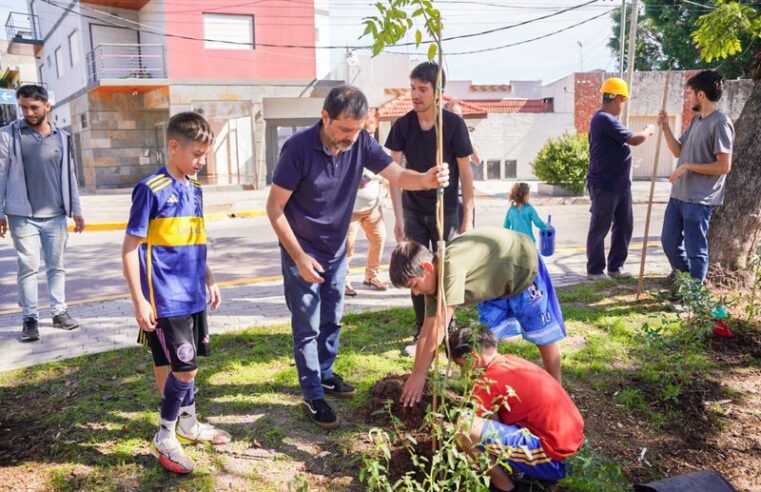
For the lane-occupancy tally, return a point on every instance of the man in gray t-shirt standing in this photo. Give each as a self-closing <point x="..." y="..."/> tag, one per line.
<point x="38" y="189"/>
<point x="705" y="157"/>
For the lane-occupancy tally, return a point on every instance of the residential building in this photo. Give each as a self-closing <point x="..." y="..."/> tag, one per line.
<point x="121" y="68"/>
<point x="15" y="70"/>
<point x="508" y="133"/>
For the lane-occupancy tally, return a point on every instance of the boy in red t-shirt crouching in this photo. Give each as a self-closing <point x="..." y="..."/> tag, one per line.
<point x="523" y="417"/>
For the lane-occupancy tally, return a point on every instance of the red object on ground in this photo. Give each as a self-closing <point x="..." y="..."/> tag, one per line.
<point x="720" y="329"/>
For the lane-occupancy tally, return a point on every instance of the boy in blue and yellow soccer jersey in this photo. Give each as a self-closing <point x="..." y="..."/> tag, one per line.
<point x="164" y="257"/>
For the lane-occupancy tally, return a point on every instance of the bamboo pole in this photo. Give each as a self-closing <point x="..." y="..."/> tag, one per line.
<point x="641" y="279"/>
<point x="441" y="308"/>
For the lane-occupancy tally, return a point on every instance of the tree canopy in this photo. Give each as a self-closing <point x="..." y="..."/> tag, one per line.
<point x="665" y="35"/>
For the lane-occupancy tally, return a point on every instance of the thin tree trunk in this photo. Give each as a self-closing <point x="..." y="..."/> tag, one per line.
<point x="734" y="231"/>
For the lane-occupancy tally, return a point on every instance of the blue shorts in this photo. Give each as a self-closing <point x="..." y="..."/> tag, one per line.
<point x="534" y="313"/>
<point x="522" y="451"/>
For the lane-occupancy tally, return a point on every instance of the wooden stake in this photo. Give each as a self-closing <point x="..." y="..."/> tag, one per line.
<point x="441" y="308"/>
<point x="641" y="279"/>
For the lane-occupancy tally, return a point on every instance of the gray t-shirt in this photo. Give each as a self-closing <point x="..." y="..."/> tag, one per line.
<point x="703" y="139"/>
<point x="42" y="158"/>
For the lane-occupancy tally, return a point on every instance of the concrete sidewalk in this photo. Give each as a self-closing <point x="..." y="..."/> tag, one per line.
<point x="111" y="211"/>
<point x="110" y="324"/>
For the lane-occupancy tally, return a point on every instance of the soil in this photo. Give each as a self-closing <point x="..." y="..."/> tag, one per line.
<point x="412" y="421"/>
<point x="701" y="439"/>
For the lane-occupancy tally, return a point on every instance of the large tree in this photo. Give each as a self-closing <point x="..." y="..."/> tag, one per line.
<point x="736" y="227"/>
<point x="663" y="38"/>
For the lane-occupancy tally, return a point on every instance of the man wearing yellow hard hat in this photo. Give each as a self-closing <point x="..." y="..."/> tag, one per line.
<point x="609" y="184"/>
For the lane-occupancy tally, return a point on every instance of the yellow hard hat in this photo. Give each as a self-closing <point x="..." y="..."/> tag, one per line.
<point x="615" y="86"/>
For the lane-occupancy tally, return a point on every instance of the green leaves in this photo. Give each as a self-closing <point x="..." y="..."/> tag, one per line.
<point x="431" y="51"/>
<point x="664" y="38"/>
<point x="563" y="161"/>
<point x="718" y="33"/>
<point x="394" y="21"/>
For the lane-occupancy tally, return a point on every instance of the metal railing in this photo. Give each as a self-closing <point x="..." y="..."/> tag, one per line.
<point x="22" y="27"/>
<point x="126" y="61"/>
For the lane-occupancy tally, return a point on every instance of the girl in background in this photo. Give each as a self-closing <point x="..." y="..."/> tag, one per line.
<point x="521" y="214"/>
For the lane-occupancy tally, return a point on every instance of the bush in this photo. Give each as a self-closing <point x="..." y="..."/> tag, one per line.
<point x="563" y="161"/>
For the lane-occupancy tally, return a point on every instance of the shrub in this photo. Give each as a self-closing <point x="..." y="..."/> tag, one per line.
<point x="563" y="161"/>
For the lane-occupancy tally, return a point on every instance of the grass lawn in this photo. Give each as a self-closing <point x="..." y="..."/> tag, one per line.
<point x="657" y="401"/>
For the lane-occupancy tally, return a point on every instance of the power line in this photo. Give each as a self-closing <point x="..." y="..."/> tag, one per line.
<point x="518" y="43"/>
<point x="154" y="30"/>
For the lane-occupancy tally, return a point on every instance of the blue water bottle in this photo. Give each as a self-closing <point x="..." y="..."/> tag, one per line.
<point x="547" y="239"/>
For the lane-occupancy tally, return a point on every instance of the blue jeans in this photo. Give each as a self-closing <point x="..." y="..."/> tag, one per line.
<point x="685" y="237"/>
<point x="316" y="311"/>
<point x="29" y="236"/>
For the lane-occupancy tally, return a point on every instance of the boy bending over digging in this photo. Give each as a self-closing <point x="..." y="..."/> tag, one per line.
<point x="487" y="265"/>
<point x="524" y="420"/>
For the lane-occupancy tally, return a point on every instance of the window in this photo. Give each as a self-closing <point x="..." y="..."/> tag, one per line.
<point x="228" y="32"/>
<point x="477" y="172"/>
<point x="59" y="62"/>
<point x="511" y="169"/>
<point x="493" y="169"/>
<point x="74" y="48"/>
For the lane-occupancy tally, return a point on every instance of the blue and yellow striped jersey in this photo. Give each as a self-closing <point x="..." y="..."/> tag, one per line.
<point x="168" y="215"/>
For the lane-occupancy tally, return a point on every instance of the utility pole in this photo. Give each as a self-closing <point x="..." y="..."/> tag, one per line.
<point x="630" y="57"/>
<point x="622" y="40"/>
<point x="581" y="54"/>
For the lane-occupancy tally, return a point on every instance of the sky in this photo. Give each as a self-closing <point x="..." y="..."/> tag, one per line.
<point x="580" y="48"/>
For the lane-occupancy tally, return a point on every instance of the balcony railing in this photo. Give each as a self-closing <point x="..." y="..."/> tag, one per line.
<point x="126" y="61"/>
<point x="23" y="33"/>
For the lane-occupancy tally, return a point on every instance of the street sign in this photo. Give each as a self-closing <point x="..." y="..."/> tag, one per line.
<point x="8" y="96"/>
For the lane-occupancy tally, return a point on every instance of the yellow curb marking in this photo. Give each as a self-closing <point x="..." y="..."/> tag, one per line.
<point x="120" y="226"/>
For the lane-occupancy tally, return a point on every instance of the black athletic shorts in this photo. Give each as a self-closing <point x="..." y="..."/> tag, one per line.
<point x="178" y="340"/>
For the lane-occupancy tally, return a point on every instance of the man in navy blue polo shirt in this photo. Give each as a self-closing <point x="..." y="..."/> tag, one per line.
<point x="314" y="187"/>
<point x="609" y="183"/>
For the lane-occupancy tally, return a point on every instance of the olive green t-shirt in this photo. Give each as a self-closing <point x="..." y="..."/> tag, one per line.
<point x="484" y="264"/>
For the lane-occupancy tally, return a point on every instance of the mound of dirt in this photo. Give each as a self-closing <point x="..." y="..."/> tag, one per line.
<point x="412" y="418"/>
<point x="390" y="389"/>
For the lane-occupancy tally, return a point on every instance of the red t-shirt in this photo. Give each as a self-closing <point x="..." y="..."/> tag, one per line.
<point x="529" y="397"/>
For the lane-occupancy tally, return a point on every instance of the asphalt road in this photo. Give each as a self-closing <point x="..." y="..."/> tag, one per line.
<point x="241" y="249"/>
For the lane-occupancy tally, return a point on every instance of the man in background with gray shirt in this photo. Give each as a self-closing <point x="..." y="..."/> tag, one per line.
<point x="38" y="189"/>
<point x="705" y="157"/>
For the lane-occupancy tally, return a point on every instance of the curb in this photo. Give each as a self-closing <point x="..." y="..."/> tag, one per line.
<point x="120" y="226"/>
<point x="537" y="201"/>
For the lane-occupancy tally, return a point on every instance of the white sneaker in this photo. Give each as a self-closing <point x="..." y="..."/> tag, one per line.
<point x="410" y="350"/>
<point x="596" y="276"/>
<point x="619" y="274"/>
<point x="203" y="433"/>
<point x="170" y="454"/>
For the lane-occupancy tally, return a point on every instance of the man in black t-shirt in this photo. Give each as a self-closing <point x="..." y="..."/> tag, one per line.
<point x="414" y="136"/>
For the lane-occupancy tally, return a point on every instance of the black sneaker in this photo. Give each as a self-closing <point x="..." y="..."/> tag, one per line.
<point x="29" y="330"/>
<point x="669" y="281"/>
<point x="64" y="322"/>
<point x="418" y="328"/>
<point x="320" y="413"/>
<point x="337" y="387"/>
